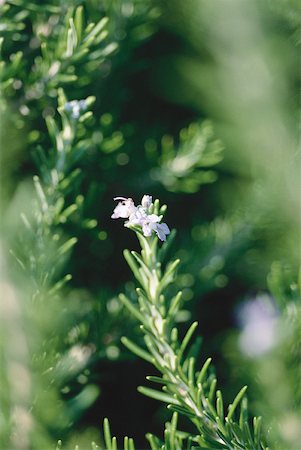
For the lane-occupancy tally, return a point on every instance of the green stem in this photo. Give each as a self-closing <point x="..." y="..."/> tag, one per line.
<point x="193" y="392"/>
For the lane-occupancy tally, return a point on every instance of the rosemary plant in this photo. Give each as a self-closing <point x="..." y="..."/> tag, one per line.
<point x="57" y="173"/>
<point x="41" y="247"/>
<point x="185" y="389"/>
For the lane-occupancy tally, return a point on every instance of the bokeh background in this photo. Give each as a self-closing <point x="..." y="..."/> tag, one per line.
<point x="197" y="104"/>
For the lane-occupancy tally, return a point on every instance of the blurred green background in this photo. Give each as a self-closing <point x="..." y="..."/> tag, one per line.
<point x="196" y="103"/>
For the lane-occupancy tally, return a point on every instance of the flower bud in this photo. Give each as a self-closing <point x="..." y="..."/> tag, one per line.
<point x="146" y="201"/>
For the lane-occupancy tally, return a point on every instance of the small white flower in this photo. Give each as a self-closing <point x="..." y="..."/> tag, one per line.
<point x="124" y="209"/>
<point x="146" y="201"/>
<point x="138" y="216"/>
<point x="150" y="224"/>
<point x="75" y="107"/>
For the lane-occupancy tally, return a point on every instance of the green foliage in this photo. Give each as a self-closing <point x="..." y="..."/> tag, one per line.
<point x="99" y="98"/>
<point x="183" y="167"/>
<point x="57" y="174"/>
<point x="173" y="439"/>
<point x="186" y="390"/>
<point x="70" y="49"/>
<point x="280" y="394"/>
<point x="41" y="250"/>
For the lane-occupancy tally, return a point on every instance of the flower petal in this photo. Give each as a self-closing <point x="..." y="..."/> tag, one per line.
<point x="153" y="218"/>
<point x="161" y="230"/>
<point x="147" y="229"/>
<point x="146" y="201"/>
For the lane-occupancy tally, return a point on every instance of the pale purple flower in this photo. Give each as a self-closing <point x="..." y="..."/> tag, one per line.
<point x="259" y="320"/>
<point x="138" y="216"/>
<point x="124" y="209"/>
<point x="149" y="223"/>
<point x="75" y="108"/>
